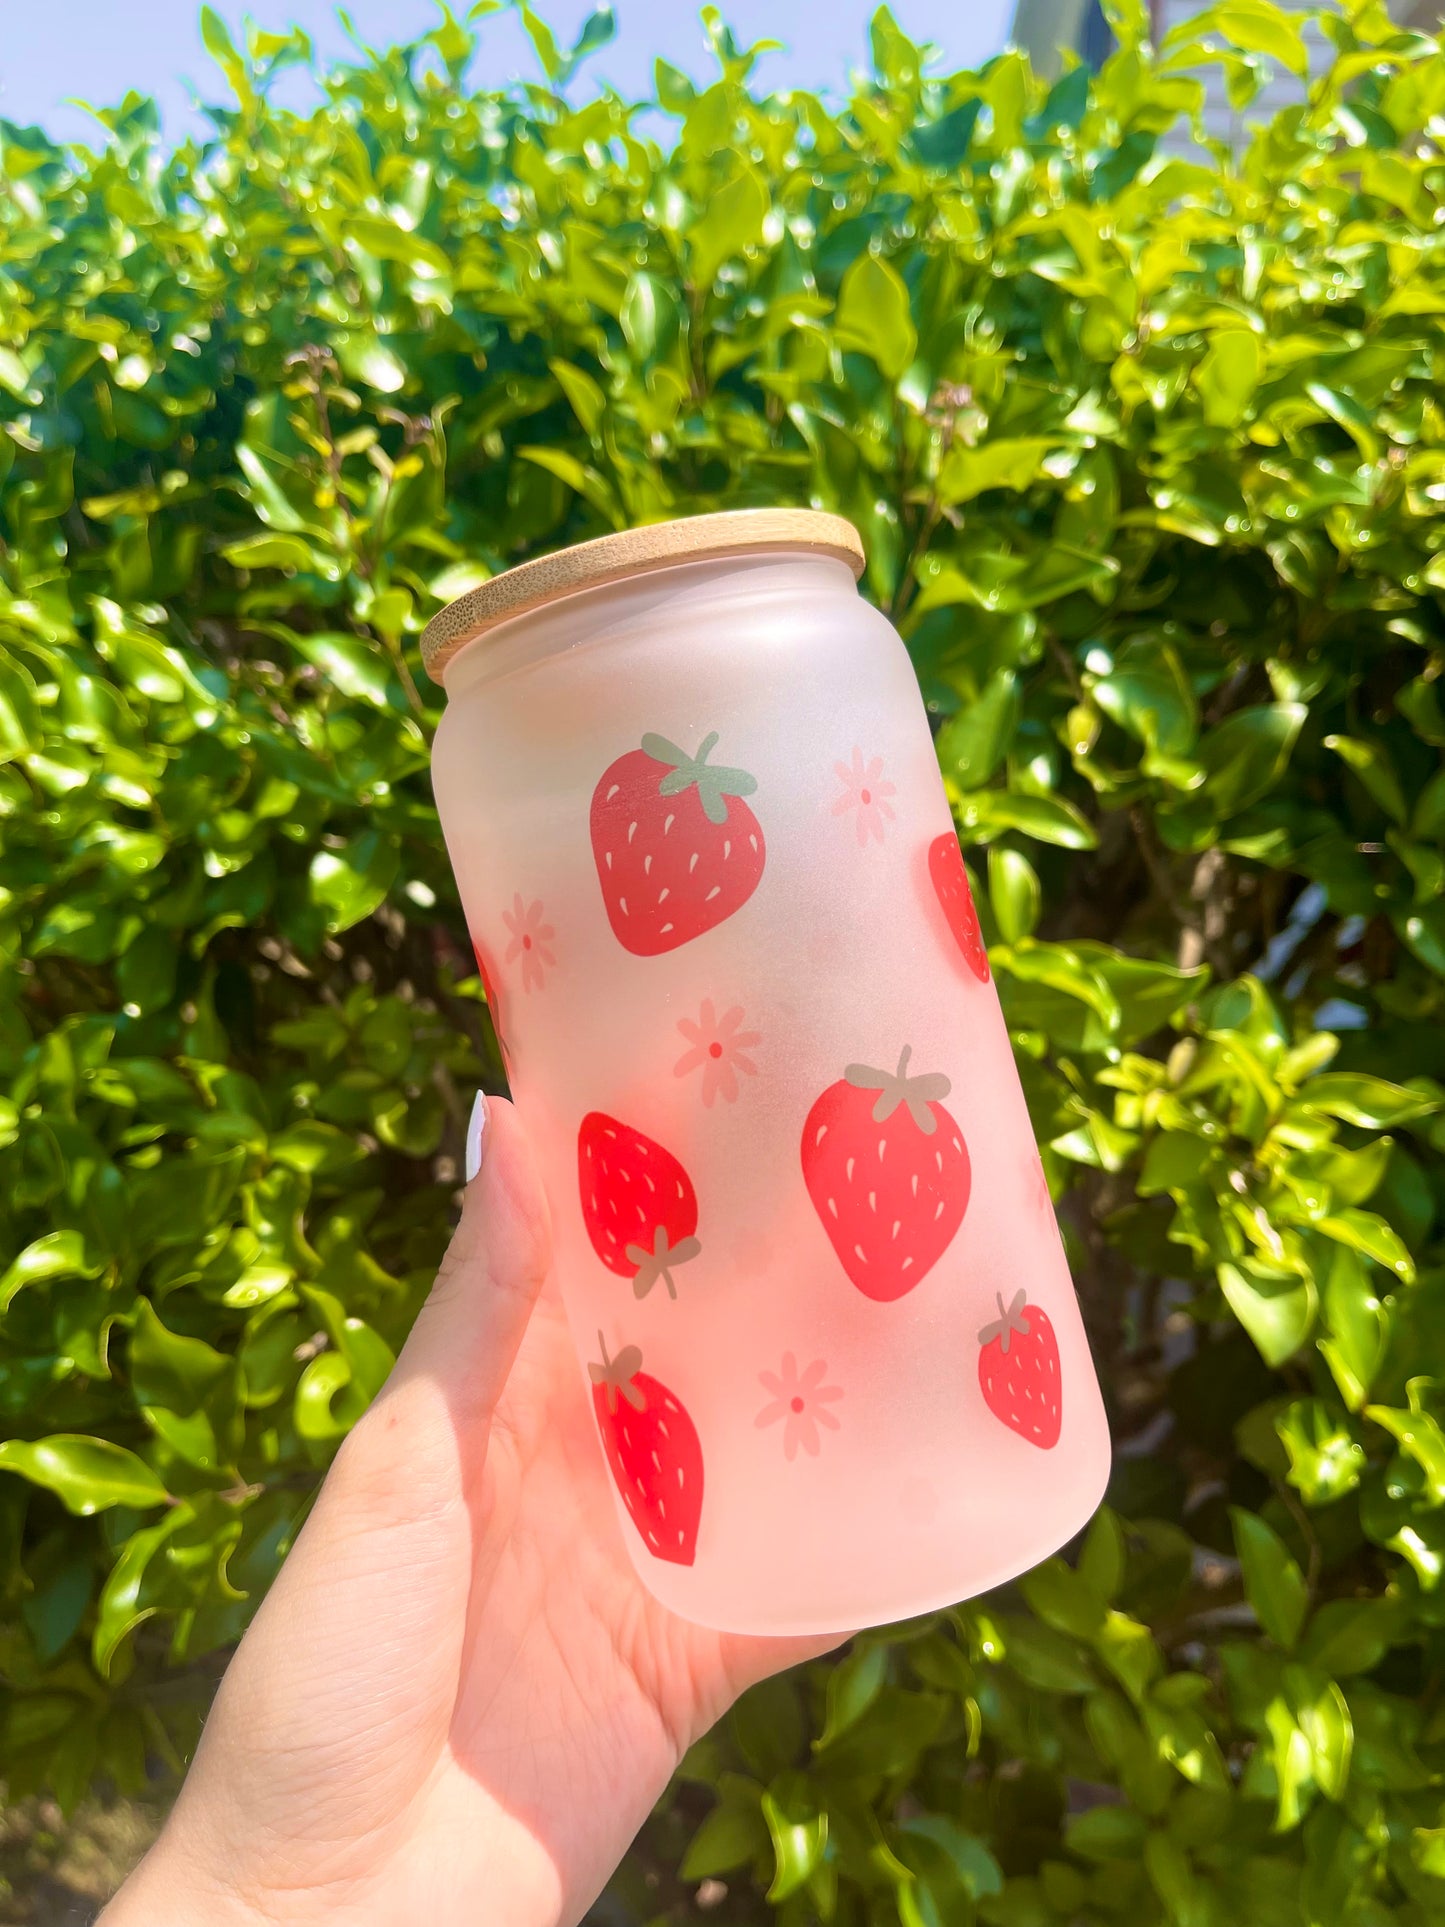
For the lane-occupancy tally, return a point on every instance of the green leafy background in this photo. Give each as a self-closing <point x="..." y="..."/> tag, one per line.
<point x="1146" y="444"/>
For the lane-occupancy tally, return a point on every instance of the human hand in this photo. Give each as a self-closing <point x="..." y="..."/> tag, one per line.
<point x="458" y="1702"/>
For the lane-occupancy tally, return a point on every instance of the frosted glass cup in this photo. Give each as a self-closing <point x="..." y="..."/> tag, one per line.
<point x="821" y="1309"/>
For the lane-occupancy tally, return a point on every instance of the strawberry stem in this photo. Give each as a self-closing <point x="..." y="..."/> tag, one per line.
<point x="658" y="1263"/>
<point x="617" y="1374"/>
<point x="1007" y="1323"/>
<point x="713" y="784"/>
<point x="897" y="1087"/>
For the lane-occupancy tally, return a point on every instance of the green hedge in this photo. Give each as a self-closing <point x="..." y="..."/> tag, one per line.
<point x="1147" y="446"/>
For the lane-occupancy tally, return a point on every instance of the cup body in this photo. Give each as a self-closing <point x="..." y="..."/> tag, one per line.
<point x="714" y="886"/>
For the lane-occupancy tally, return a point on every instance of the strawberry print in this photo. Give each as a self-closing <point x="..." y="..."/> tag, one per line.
<point x="1018" y="1371"/>
<point x="677" y="849"/>
<point x="637" y="1202"/>
<point x="653" y="1450"/>
<point x="888" y="1172"/>
<point x="494" y="1002"/>
<point x="950" y="881"/>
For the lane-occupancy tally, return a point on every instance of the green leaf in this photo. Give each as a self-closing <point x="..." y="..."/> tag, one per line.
<point x="349" y="883"/>
<point x="873" y="315"/>
<point x="1048" y="819"/>
<point x="853" y="1685"/>
<point x="733" y="1834"/>
<point x="357" y="668"/>
<point x="1149" y="993"/>
<point x="799" y="1836"/>
<point x="545" y="43"/>
<point x="1367" y="1232"/>
<point x="1367" y="1101"/>
<point x="1102" y="1556"/>
<point x="1174" y="1880"/>
<point x="1047" y="1660"/>
<point x="1148" y="693"/>
<point x="1420" y="1437"/>
<point x="968" y="472"/>
<point x="648" y="316"/>
<point x="86" y="1474"/>
<point x="945" y="141"/>
<point x="370" y="361"/>
<point x="1322" y="1714"/>
<point x="390" y="241"/>
<point x="1276" y="1309"/>
<point x="1228" y="376"/>
<point x="1245" y="754"/>
<point x="273" y="552"/>
<point x="1273" y="1583"/>
<point x="1372" y="765"/>
<point x="1325" y="1459"/>
<point x="1258" y="27"/>
<point x="14" y="377"/>
<point x="1063" y="1600"/>
<point x="1351" y="1635"/>
<point x="1357" y="1327"/>
<point x="131" y="1593"/>
<point x="1015" y="892"/>
<point x="55" y="1254"/>
<point x="975" y="1867"/>
<point x="187" y="1391"/>
<point x="592" y="486"/>
<point x="587" y="399"/>
<point x="1056" y="965"/>
<point x="973" y="742"/>
<point x="222" y="49"/>
<point x="729" y="224"/>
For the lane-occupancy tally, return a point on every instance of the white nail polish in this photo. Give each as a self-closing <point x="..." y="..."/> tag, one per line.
<point x="476" y="1130"/>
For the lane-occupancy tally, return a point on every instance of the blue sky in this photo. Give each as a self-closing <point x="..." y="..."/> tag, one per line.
<point x="52" y="51"/>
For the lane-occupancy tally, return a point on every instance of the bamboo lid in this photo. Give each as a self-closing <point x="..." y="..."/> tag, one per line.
<point x="611" y="558"/>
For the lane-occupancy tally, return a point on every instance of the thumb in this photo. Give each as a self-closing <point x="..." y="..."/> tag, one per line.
<point x="415" y="1454"/>
<point x="348" y="1674"/>
<point x="467" y="1333"/>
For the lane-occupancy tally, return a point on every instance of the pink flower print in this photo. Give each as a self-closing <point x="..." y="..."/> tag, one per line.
<point x="865" y="790"/>
<point x="801" y="1401"/>
<point x="719" y="1050"/>
<point x="531" y="941"/>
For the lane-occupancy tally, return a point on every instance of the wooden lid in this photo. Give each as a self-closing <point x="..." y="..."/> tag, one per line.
<point x="611" y="558"/>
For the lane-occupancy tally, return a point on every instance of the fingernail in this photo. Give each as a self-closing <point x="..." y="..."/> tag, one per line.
<point x="476" y="1131"/>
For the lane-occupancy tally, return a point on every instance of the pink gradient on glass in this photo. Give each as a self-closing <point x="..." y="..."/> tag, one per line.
<point x="834" y="953"/>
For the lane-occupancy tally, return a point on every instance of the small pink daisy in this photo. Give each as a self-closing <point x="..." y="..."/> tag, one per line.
<point x="801" y="1401"/>
<point x="531" y="941"/>
<point x="719" y="1049"/>
<point x="865" y="790"/>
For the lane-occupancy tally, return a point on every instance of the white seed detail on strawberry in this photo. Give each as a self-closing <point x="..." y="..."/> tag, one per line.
<point x="1018" y="1371"/>
<point x="653" y="1451"/>
<point x="888" y="1172"/>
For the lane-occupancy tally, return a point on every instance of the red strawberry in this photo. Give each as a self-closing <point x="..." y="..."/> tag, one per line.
<point x="677" y="851"/>
<point x="950" y="880"/>
<point x="887" y="1170"/>
<point x="638" y="1203"/>
<point x="1018" y="1371"/>
<point x="494" y="1002"/>
<point x="653" y="1450"/>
